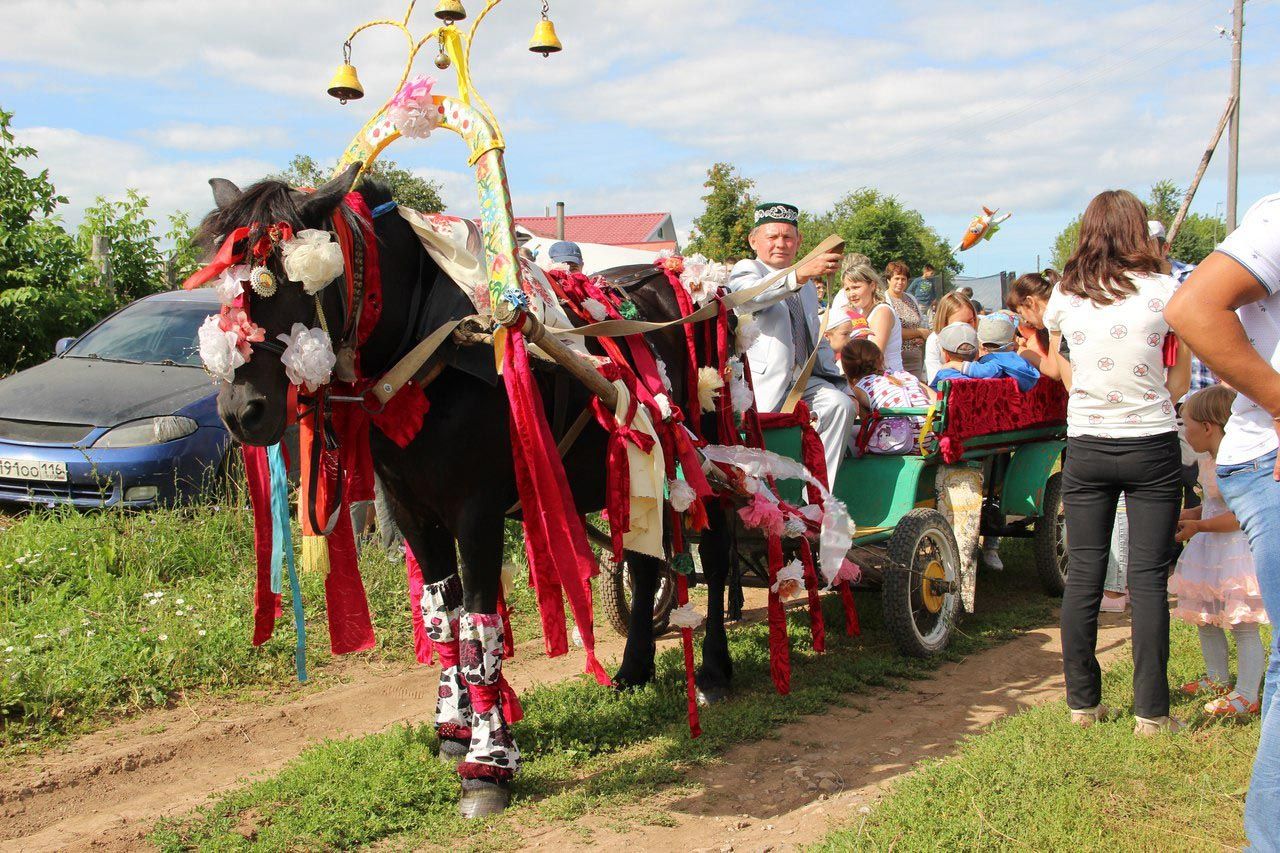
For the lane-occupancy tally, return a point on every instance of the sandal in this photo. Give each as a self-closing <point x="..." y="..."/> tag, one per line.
<point x="1148" y="727"/>
<point x="1203" y="685"/>
<point x="1086" y="717"/>
<point x="1231" y="705"/>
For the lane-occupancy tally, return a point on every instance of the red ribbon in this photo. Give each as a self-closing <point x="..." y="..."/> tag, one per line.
<point x="421" y="642"/>
<point x="560" y="560"/>
<point x="266" y="604"/>
<point x="686" y="641"/>
<point x="817" y="625"/>
<point x="779" y="649"/>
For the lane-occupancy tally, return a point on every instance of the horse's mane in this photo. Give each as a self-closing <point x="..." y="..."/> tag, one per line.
<point x="273" y="200"/>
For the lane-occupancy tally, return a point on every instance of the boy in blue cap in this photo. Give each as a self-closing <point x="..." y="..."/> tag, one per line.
<point x="960" y="346"/>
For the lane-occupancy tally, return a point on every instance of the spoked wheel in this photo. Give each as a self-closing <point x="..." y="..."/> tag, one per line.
<point x="1050" y="544"/>
<point x="921" y="594"/>
<point x="618" y="591"/>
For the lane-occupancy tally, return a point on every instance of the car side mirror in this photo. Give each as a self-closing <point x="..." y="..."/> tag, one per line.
<point x="63" y="345"/>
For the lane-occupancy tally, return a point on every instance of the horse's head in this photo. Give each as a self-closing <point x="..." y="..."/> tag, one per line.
<point x="253" y="404"/>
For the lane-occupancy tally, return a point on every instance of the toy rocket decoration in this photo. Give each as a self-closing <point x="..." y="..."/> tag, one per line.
<point x="983" y="227"/>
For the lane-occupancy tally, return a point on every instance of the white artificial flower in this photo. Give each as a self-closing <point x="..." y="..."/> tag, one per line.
<point x="685" y="616"/>
<point x="702" y="277"/>
<point x="308" y="356"/>
<point x="662" y="372"/>
<point x="413" y="122"/>
<point x="709" y="385"/>
<point x="231" y="284"/>
<point x="312" y="259"/>
<point x="740" y="395"/>
<point x="794" y="527"/>
<point x="664" y="405"/>
<point x="218" y="349"/>
<point x="789" y="582"/>
<point x="748" y="332"/>
<point x="682" y="495"/>
<point x="595" y="308"/>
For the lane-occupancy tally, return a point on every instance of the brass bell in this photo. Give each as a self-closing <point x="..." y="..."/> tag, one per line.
<point x="544" y="39"/>
<point x="450" y="11"/>
<point x="345" y="85"/>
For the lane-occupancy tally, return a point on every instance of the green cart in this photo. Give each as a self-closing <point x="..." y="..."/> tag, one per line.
<point x="903" y="542"/>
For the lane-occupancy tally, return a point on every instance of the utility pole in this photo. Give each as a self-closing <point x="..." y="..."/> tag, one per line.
<point x="1233" y="138"/>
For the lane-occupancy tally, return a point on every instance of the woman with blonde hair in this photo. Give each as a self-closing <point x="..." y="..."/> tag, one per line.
<point x="860" y="310"/>
<point x="1122" y="439"/>
<point x="953" y="307"/>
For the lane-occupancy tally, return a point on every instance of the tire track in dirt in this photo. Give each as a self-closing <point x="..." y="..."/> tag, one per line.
<point x="822" y="770"/>
<point x="107" y="789"/>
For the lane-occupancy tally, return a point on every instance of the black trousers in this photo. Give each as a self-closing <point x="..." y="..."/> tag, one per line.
<point x="1148" y="471"/>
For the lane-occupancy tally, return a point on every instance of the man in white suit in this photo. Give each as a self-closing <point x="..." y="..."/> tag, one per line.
<point x="787" y="314"/>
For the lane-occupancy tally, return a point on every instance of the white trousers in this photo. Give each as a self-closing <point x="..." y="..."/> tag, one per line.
<point x="836" y="411"/>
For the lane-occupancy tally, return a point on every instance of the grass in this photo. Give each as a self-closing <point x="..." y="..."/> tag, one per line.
<point x="111" y="612"/>
<point x="588" y="750"/>
<point x="1034" y="781"/>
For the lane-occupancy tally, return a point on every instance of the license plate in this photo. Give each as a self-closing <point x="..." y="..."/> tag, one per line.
<point x="25" y="469"/>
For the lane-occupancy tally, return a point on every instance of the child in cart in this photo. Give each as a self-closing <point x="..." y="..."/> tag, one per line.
<point x="984" y="354"/>
<point x="876" y="388"/>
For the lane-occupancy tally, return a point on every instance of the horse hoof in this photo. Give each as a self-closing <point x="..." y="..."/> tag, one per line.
<point x="710" y="695"/>
<point x="483" y="798"/>
<point x="623" y="682"/>
<point x="451" y="752"/>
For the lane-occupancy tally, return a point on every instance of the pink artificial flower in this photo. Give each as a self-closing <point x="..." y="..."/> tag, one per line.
<point x="763" y="514"/>
<point x="237" y="320"/>
<point x="849" y="571"/>
<point x="415" y="93"/>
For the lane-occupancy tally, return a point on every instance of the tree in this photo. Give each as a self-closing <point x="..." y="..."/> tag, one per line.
<point x="1198" y="236"/>
<point x="1064" y="245"/>
<point x="137" y="264"/>
<point x="42" y="273"/>
<point x="406" y="188"/>
<point x="721" y="231"/>
<point x="884" y="230"/>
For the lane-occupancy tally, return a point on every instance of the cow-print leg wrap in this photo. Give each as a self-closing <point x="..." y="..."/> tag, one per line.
<point x="493" y="753"/>
<point x="441" y="609"/>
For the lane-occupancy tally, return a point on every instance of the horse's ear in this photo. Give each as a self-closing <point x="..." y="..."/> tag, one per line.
<point x="318" y="206"/>
<point x="225" y="193"/>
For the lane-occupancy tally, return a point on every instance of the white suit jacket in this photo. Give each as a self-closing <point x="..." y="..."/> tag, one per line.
<point x="772" y="356"/>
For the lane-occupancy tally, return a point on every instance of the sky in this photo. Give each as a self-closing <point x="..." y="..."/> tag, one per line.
<point x="1025" y="105"/>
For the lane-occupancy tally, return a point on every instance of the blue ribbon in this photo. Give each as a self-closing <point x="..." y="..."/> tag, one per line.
<point x="282" y="552"/>
<point x="385" y="207"/>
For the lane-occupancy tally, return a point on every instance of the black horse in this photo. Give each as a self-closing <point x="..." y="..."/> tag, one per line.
<point x="449" y="491"/>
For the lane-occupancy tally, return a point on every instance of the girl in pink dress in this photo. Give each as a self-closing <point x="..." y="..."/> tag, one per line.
<point x="1214" y="581"/>
<point x="876" y="388"/>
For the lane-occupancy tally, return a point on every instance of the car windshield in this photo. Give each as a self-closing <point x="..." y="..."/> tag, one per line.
<point x="154" y="331"/>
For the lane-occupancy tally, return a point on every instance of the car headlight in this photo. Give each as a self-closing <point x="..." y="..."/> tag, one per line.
<point x="147" y="431"/>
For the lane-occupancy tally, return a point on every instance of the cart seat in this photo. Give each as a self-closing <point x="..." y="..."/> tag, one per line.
<point x="969" y="408"/>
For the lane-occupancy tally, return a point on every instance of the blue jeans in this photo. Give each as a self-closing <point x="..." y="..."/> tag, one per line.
<point x="1253" y="495"/>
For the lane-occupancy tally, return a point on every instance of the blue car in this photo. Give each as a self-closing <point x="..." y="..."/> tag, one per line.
<point x="123" y="416"/>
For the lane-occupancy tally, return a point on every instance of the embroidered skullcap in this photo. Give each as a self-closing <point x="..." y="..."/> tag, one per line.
<point x="777" y="211"/>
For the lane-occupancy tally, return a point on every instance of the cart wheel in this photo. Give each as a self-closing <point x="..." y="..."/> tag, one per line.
<point x="921" y="594"/>
<point x="1050" y="543"/>
<point x="617" y="598"/>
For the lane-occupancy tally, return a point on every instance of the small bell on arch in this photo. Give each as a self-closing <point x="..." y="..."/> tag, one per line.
<point x="450" y="11"/>
<point x="345" y="85"/>
<point x="544" y="39"/>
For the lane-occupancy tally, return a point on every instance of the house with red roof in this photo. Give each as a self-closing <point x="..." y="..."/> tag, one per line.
<point x="651" y="232"/>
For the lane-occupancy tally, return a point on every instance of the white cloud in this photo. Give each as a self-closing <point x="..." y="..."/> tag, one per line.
<point x="84" y="166"/>
<point x="205" y="137"/>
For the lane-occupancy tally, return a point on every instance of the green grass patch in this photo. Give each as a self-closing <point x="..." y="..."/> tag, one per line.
<point x="587" y="749"/>
<point x="110" y="612"/>
<point x="1036" y="782"/>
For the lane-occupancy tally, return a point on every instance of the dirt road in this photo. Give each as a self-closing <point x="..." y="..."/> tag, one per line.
<point x="821" y="771"/>
<point x="106" y="790"/>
